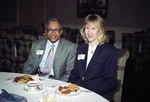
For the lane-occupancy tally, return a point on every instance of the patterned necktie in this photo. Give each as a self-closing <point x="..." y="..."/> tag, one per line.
<point x="49" y="62"/>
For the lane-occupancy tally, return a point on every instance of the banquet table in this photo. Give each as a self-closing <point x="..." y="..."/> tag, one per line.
<point x="6" y="82"/>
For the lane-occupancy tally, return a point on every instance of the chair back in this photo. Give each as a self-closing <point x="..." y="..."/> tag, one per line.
<point x="123" y="55"/>
<point x="111" y="36"/>
<point x="22" y="44"/>
<point x="6" y="51"/>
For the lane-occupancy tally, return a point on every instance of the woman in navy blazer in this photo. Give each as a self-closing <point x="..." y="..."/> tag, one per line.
<point x="95" y="63"/>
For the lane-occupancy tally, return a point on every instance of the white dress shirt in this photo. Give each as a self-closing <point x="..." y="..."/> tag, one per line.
<point x="47" y="49"/>
<point x="91" y="51"/>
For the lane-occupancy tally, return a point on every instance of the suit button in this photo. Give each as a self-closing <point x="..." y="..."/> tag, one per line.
<point x="83" y="78"/>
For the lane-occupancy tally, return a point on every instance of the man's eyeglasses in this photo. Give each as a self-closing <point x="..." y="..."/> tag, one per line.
<point x="55" y="30"/>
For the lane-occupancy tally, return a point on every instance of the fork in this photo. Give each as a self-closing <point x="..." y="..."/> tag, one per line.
<point x="82" y="91"/>
<point x="87" y="91"/>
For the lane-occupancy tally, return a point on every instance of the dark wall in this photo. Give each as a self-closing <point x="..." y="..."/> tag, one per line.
<point x="8" y="10"/>
<point x="121" y="13"/>
<point x="22" y="13"/>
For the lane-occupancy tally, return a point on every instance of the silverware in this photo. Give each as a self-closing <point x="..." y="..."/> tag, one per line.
<point x="82" y="91"/>
<point x="41" y="79"/>
<point x="86" y="91"/>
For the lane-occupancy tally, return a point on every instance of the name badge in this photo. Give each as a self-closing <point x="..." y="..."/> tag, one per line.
<point x="39" y="52"/>
<point x="81" y="56"/>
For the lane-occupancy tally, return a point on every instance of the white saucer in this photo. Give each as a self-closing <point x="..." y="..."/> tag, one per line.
<point x="26" y="88"/>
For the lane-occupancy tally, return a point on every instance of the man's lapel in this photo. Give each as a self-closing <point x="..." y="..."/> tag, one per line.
<point x="42" y="47"/>
<point x="59" y="50"/>
<point x="58" y="53"/>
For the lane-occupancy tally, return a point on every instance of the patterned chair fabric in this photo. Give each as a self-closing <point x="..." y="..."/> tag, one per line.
<point x="139" y="47"/>
<point x="10" y="31"/>
<point x="70" y="34"/>
<point x="6" y="51"/>
<point x="65" y="33"/>
<point x="73" y="35"/>
<point x="111" y="36"/>
<point x="79" y="38"/>
<point x="6" y="65"/>
<point x="123" y="55"/>
<point x="131" y="42"/>
<point x="11" y="59"/>
<point x="145" y="53"/>
<point x="25" y="30"/>
<point x="23" y="44"/>
<point x="145" y="47"/>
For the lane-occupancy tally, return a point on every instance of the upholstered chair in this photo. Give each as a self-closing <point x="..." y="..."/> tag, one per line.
<point x="145" y="53"/>
<point x="131" y="42"/>
<point x="123" y="55"/>
<point x="111" y="36"/>
<point x="73" y="35"/>
<point x="22" y="43"/>
<point x="6" y="52"/>
<point x="65" y="33"/>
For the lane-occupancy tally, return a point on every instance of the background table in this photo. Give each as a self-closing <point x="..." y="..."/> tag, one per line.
<point x="48" y="84"/>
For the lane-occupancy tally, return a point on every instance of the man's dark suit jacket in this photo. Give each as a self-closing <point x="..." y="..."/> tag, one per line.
<point x="101" y="73"/>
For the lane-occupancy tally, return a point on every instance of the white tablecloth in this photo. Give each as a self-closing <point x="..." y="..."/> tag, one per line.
<point x="48" y="84"/>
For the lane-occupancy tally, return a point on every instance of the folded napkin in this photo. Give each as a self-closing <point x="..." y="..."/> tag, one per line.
<point x="36" y="77"/>
<point x="7" y="97"/>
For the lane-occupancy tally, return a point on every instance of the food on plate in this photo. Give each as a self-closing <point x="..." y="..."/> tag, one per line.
<point x="23" y="79"/>
<point x="73" y="87"/>
<point x="27" y="77"/>
<point x="68" y="89"/>
<point x="16" y="79"/>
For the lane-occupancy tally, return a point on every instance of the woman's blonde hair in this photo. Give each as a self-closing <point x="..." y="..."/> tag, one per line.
<point x="97" y="21"/>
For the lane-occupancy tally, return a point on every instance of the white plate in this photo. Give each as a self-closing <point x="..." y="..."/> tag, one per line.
<point x="71" y="94"/>
<point x="26" y="88"/>
<point x="19" y="83"/>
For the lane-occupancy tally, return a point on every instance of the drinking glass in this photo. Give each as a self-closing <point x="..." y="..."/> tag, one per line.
<point x="49" y="96"/>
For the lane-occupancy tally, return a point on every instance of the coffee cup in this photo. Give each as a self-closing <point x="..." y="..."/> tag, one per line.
<point x="32" y="85"/>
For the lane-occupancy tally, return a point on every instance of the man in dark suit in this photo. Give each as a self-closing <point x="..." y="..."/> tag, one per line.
<point x="63" y="58"/>
<point x="95" y="62"/>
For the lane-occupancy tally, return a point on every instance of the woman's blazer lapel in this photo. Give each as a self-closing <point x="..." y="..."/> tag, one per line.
<point x="94" y="58"/>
